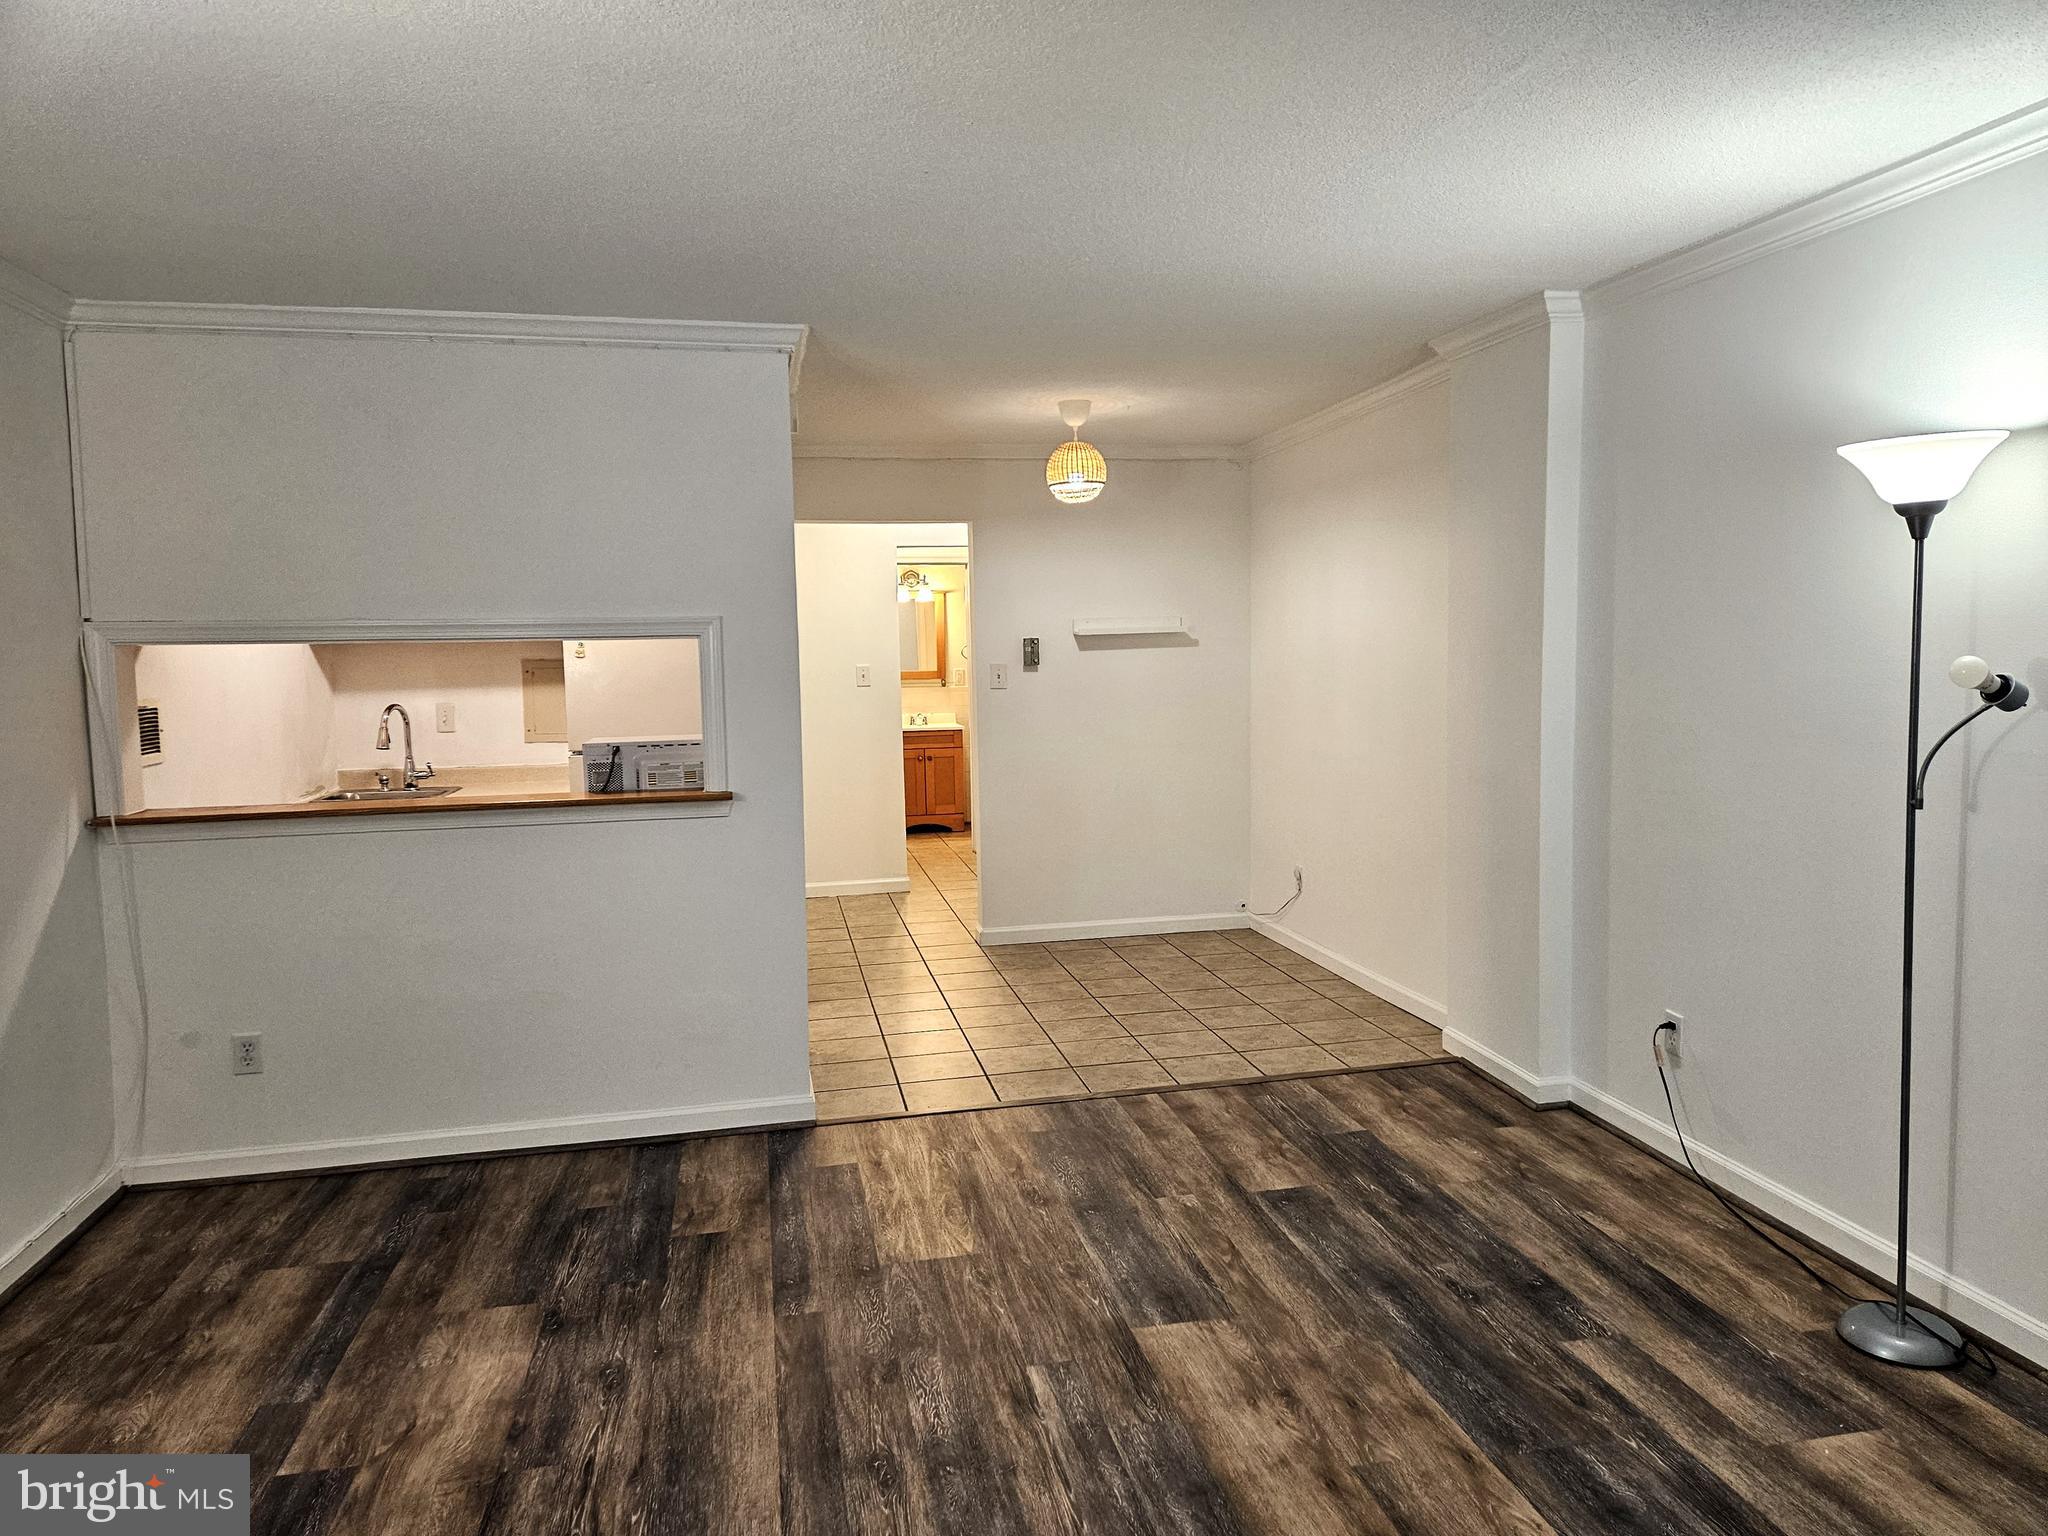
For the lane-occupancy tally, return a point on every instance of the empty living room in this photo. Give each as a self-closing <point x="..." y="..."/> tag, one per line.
<point x="1437" y="927"/>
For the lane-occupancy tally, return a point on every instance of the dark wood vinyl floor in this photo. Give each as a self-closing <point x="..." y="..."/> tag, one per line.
<point x="1393" y="1302"/>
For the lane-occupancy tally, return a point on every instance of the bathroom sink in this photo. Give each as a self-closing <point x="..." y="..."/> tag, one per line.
<point x="392" y="794"/>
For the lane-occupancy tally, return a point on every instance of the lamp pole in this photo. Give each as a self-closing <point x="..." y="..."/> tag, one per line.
<point x="1901" y="1332"/>
<point x="1918" y="526"/>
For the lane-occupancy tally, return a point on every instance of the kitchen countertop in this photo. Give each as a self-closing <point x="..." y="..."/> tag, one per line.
<point x="479" y="798"/>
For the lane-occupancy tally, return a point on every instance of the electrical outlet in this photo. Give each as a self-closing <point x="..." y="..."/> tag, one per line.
<point x="444" y="717"/>
<point x="1674" y="1037"/>
<point x="863" y="677"/>
<point x="247" y="1054"/>
<point x="1297" y="879"/>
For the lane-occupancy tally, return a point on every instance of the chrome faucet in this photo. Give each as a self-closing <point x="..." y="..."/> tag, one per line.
<point x="413" y="775"/>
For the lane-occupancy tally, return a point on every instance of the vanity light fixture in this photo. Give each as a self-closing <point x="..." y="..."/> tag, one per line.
<point x="1075" y="473"/>
<point x="913" y="586"/>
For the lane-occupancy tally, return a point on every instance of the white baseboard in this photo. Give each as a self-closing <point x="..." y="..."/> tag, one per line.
<point x="464" y="1141"/>
<point x="1548" y="1091"/>
<point x="1120" y="928"/>
<point x="2016" y="1330"/>
<point x="33" y="1249"/>
<point x="888" y="886"/>
<point x="1426" y="1008"/>
<point x="1995" y="1319"/>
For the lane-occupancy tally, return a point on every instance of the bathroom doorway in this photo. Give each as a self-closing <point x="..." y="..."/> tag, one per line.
<point x="885" y="641"/>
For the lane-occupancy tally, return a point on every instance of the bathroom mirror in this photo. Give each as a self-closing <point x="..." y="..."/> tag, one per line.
<point x="921" y="628"/>
<point x="925" y="595"/>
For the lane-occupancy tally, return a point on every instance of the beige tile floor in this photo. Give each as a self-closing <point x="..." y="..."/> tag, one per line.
<point x="910" y="1016"/>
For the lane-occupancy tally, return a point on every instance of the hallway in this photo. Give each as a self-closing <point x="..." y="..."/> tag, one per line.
<point x="910" y="1015"/>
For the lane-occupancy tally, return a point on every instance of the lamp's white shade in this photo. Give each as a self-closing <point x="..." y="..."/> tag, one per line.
<point x="1935" y="466"/>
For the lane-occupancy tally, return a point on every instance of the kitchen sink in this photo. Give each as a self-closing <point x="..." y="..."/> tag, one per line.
<point x="392" y="794"/>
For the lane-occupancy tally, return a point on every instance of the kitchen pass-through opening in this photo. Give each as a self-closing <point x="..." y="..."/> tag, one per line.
<point x="214" y="725"/>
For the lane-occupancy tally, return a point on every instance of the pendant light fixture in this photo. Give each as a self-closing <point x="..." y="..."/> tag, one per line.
<point x="1075" y="473"/>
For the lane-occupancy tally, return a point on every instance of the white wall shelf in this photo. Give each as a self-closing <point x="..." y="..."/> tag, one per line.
<point x="1174" y="625"/>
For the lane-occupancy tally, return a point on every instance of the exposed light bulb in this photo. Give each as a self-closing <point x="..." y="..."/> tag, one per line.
<point x="1996" y="688"/>
<point x="1970" y="672"/>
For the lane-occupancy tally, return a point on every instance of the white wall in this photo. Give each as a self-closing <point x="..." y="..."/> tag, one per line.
<point x="641" y="687"/>
<point x="57" y="1112"/>
<point x="481" y="679"/>
<point x="241" y="725"/>
<point x="1496" y="618"/>
<point x="1111" y="785"/>
<point x="502" y="980"/>
<point x="1759" y="607"/>
<point x="1350" y="631"/>
<point x="853" y="736"/>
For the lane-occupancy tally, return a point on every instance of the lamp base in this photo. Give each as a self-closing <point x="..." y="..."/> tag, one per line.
<point x="1924" y="1341"/>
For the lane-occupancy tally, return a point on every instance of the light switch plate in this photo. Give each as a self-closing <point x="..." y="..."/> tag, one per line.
<point x="863" y="677"/>
<point x="444" y="717"/>
<point x="998" y="675"/>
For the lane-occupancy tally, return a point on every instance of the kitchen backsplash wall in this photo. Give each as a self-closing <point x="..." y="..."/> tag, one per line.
<point x="481" y="680"/>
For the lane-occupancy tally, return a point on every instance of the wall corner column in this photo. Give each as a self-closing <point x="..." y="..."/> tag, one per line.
<point x="1517" y="381"/>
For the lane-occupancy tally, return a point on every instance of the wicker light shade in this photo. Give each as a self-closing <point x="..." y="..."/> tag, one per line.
<point x="1075" y="473"/>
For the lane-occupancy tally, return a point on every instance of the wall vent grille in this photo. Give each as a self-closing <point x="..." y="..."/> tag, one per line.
<point x="150" y="730"/>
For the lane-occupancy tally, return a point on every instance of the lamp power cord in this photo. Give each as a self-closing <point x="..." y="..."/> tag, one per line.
<point x="1971" y="1348"/>
<point x="1290" y="901"/>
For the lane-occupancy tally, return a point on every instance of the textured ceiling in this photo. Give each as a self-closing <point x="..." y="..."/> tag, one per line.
<point x="1214" y="218"/>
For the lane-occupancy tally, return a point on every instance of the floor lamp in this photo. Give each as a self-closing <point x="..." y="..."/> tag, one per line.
<point x="1919" y="476"/>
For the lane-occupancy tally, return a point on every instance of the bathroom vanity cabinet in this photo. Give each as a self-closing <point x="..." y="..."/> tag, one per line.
<point x="935" y="779"/>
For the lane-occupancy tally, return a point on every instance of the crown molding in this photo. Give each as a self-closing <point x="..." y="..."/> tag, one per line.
<point x="1518" y="319"/>
<point x="446" y="325"/>
<point x="1353" y="408"/>
<point x="1033" y="453"/>
<point x="32" y="296"/>
<point x="1990" y="148"/>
